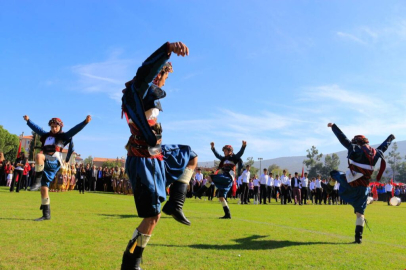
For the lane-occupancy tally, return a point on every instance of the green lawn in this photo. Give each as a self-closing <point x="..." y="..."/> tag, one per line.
<point x="90" y="231"/>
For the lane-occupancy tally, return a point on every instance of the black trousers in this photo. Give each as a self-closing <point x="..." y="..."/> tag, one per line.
<point x="244" y="193"/>
<point x="285" y="194"/>
<point x="318" y="195"/>
<point x="276" y="191"/>
<point x="263" y="191"/>
<point x="269" y="192"/>
<point x="304" y="195"/>
<point x="388" y="196"/>
<point x="81" y="185"/>
<point x="210" y="192"/>
<point x="13" y="181"/>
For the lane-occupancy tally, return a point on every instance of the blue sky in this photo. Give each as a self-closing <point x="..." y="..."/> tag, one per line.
<point x="273" y="73"/>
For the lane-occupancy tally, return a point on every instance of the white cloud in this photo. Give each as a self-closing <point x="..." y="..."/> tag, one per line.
<point x="351" y="37"/>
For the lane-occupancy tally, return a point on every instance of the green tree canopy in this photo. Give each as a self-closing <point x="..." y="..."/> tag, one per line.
<point x="9" y="144"/>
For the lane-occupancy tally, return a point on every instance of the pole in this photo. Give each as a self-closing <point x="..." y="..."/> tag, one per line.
<point x="260" y="164"/>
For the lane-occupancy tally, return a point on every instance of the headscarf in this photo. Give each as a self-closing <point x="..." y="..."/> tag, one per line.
<point x="166" y="68"/>
<point x="228" y="147"/>
<point x="360" y="140"/>
<point x="56" y="121"/>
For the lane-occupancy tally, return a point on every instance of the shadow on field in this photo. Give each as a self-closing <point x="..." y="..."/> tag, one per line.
<point x="124" y="216"/>
<point x="249" y="243"/>
<point x="31" y="219"/>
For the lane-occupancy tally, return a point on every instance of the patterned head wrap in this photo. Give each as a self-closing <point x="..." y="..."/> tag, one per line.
<point x="55" y="121"/>
<point x="228" y="147"/>
<point x="360" y="139"/>
<point x="166" y="68"/>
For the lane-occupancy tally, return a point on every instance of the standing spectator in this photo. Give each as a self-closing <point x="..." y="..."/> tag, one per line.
<point x="73" y="179"/>
<point x="251" y="189"/>
<point x="198" y="179"/>
<point x="99" y="185"/>
<point x="277" y="188"/>
<point x="335" y="192"/>
<point x="78" y="168"/>
<point x="285" y="181"/>
<point x="93" y="178"/>
<point x="312" y="187"/>
<point x="324" y="192"/>
<point x="31" y="174"/>
<point x="18" y="172"/>
<point x="26" y="177"/>
<point x="295" y="184"/>
<point x="318" y="189"/>
<point x="388" y="190"/>
<point x="82" y="179"/>
<point x="2" y="172"/>
<point x="304" y="181"/>
<point x="10" y="173"/>
<point x="269" y="187"/>
<point x="263" y="181"/>
<point x="245" y="181"/>
<point x="88" y="176"/>
<point x="115" y="179"/>
<point x="106" y="179"/>
<point x="255" y="183"/>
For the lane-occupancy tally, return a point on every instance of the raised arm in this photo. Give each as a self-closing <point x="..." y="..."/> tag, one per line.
<point x="340" y="136"/>
<point x="34" y="127"/>
<point x="241" y="152"/>
<point x="73" y="131"/>
<point x="215" y="152"/>
<point x="384" y="146"/>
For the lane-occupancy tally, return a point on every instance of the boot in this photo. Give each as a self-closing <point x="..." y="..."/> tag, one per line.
<point x="358" y="234"/>
<point x="200" y="192"/>
<point x="173" y="206"/>
<point x="132" y="261"/>
<point x="227" y="213"/>
<point x="46" y="213"/>
<point x="36" y="184"/>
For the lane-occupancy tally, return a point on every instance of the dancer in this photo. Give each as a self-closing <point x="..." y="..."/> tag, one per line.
<point x="151" y="166"/>
<point x="48" y="162"/>
<point x="353" y="184"/>
<point x="225" y="176"/>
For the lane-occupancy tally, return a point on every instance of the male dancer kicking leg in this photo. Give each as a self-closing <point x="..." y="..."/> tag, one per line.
<point x="48" y="162"/>
<point x="225" y="175"/>
<point x="151" y="166"/>
<point x="353" y="184"/>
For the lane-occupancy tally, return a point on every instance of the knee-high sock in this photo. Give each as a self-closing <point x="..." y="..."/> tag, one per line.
<point x="186" y="175"/>
<point x="138" y="242"/>
<point x="224" y="203"/>
<point x="39" y="169"/>
<point x="45" y="201"/>
<point x="360" y="221"/>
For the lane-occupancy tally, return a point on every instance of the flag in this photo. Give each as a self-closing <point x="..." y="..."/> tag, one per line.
<point x="375" y="193"/>
<point x="19" y="150"/>
<point x="302" y="171"/>
<point x="393" y="189"/>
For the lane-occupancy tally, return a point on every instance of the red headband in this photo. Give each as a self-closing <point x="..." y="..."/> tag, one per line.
<point x="55" y="121"/>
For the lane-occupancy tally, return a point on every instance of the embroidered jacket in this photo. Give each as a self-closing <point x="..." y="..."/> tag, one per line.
<point x="228" y="163"/>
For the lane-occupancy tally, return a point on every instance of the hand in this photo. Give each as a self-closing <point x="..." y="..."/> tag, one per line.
<point x="88" y="119"/>
<point x="392" y="137"/>
<point x="179" y="48"/>
<point x="244" y="143"/>
<point x="212" y="144"/>
<point x="330" y="124"/>
<point x="26" y="118"/>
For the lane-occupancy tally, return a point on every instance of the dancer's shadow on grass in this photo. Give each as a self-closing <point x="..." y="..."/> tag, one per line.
<point x="250" y="243"/>
<point x="124" y="216"/>
<point x="31" y="219"/>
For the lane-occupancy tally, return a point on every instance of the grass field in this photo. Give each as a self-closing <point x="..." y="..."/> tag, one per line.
<point x="90" y="231"/>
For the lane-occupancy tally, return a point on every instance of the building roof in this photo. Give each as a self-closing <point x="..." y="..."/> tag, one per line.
<point x="28" y="137"/>
<point x="98" y="159"/>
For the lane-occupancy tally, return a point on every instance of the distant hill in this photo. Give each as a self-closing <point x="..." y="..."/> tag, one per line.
<point x="295" y="163"/>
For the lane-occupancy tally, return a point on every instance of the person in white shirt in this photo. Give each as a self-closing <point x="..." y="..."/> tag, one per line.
<point x="256" y="188"/>
<point x="263" y="181"/>
<point x="312" y="187"/>
<point x="388" y="190"/>
<point x="305" y="184"/>
<point x="317" y="184"/>
<point x="269" y="187"/>
<point x="285" y="184"/>
<point x="198" y="180"/>
<point x="277" y="188"/>
<point x="297" y="188"/>
<point x="245" y="180"/>
<point x="335" y="192"/>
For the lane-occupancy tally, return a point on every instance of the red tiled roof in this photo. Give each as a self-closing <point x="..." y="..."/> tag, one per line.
<point x="28" y="137"/>
<point x="97" y="159"/>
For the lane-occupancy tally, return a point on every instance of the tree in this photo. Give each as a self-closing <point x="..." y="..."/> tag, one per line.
<point x="112" y="164"/>
<point x="274" y="169"/>
<point x="394" y="160"/>
<point x="35" y="145"/>
<point x="330" y="163"/>
<point x="402" y="172"/>
<point x="313" y="164"/>
<point x="89" y="160"/>
<point x="8" y="144"/>
<point x="253" y="170"/>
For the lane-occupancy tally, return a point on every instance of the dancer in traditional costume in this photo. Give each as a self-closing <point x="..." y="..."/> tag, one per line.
<point x="48" y="162"/>
<point x="353" y="184"/>
<point x="72" y="182"/>
<point x="151" y="167"/>
<point x="225" y="176"/>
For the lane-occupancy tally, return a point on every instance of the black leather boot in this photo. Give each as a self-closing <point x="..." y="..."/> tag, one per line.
<point x="132" y="261"/>
<point x="358" y="234"/>
<point x="173" y="206"/>
<point x="200" y="192"/>
<point x="46" y="213"/>
<point x="226" y="212"/>
<point x="36" y="184"/>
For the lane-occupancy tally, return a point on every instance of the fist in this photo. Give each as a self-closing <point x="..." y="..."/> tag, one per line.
<point x="88" y="119"/>
<point x="26" y="118"/>
<point x="212" y="144"/>
<point x="244" y="143"/>
<point x="330" y="124"/>
<point x="179" y="48"/>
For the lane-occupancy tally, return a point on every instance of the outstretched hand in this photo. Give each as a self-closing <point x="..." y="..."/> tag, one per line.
<point x="212" y="144"/>
<point x="179" y="48"/>
<point x="244" y="143"/>
<point x="26" y="118"/>
<point x="330" y="124"/>
<point x="88" y="119"/>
